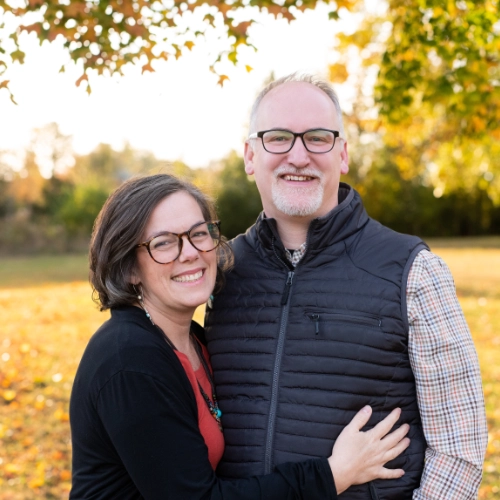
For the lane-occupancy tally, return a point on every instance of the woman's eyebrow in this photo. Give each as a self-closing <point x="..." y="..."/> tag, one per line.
<point x="160" y="233"/>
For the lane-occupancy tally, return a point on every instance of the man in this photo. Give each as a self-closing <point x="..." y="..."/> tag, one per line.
<point x="326" y="310"/>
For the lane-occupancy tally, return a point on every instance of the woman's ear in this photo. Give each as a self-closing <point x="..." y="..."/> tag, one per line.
<point x="134" y="277"/>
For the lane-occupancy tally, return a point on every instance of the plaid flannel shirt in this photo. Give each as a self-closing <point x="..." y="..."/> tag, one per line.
<point x="448" y="382"/>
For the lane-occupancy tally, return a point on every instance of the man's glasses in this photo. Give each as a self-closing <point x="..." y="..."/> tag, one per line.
<point x="166" y="247"/>
<point x="279" y="141"/>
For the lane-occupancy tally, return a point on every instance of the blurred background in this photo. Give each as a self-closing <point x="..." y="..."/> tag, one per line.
<point x="94" y="92"/>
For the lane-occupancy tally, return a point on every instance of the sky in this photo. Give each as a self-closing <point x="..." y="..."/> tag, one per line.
<point x="179" y="112"/>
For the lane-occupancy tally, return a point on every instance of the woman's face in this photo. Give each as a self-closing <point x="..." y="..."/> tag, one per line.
<point x="187" y="282"/>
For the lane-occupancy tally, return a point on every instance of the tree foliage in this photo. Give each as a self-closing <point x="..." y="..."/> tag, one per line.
<point x="238" y="199"/>
<point x="107" y="35"/>
<point x="435" y="103"/>
<point x="435" y="54"/>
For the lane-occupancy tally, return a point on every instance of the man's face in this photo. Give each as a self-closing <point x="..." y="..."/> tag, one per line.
<point x="297" y="183"/>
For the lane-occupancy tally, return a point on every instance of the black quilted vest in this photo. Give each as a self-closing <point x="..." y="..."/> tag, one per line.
<point x="297" y="352"/>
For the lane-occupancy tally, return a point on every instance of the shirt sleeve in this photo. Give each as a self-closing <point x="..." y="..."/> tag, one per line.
<point x="448" y="382"/>
<point x="154" y="431"/>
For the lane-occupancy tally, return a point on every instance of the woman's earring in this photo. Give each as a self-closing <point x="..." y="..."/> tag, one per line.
<point x="140" y="298"/>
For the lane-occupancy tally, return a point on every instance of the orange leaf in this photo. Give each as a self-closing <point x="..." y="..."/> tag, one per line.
<point x="83" y="78"/>
<point x="31" y="27"/>
<point x="241" y="29"/>
<point x="65" y="475"/>
<point x="147" y="67"/>
<point x="222" y="79"/>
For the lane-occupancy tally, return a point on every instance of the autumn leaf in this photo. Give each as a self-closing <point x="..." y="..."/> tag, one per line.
<point x="222" y="79"/>
<point x="338" y="73"/>
<point x="83" y="78"/>
<point x="241" y="28"/>
<point x="147" y="67"/>
<point x="9" y="395"/>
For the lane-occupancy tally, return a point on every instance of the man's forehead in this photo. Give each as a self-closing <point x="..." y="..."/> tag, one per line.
<point x="296" y="101"/>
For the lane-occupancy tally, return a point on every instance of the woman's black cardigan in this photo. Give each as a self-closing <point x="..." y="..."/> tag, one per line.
<point x="134" y="427"/>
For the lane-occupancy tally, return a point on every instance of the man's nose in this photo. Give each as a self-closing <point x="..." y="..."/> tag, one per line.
<point x="298" y="155"/>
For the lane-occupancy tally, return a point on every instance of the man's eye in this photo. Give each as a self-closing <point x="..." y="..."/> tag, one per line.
<point x="278" y="138"/>
<point x="318" y="138"/>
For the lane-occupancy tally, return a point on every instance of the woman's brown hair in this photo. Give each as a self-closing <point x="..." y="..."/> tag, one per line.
<point x="119" y="226"/>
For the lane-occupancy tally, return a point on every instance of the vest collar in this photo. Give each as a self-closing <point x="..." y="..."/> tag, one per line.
<point x="331" y="230"/>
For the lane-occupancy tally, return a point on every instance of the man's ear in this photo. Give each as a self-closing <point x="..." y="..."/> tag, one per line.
<point x="344" y="157"/>
<point x="248" y="158"/>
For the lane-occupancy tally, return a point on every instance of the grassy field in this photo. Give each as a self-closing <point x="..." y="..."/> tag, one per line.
<point x="48" y="315"/>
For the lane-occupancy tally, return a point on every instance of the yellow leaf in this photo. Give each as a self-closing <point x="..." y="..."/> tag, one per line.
<point x="248" y="68"/>
<point x="9" y="395"/>
<point x="338" y="73"/>
<point x="24" y="348"/>
<point x="61" y="415"/>
<point x="36" y="483"/>
<point x="189" y="44"/>
<point x="12" y="469"/>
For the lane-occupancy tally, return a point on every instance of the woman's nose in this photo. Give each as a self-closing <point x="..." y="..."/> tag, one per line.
<point x="188" y="251"/>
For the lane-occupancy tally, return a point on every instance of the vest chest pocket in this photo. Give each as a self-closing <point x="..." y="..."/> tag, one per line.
<point x="319" y="319"/>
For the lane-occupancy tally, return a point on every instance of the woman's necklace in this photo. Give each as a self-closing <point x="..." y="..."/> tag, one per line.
<point x="213" y="405"/>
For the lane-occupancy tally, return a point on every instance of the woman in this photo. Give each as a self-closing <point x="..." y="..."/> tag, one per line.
<point x="144" y="415"/>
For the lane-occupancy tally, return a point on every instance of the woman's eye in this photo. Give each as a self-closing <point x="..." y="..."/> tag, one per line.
<point x="162" y="242"/>
<point x="199" y="234"/>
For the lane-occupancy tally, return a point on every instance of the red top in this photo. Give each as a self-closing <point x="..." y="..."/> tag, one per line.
<point x="209" y="428"/>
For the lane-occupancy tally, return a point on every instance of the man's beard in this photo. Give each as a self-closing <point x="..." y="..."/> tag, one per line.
<point x="298" y="201"/>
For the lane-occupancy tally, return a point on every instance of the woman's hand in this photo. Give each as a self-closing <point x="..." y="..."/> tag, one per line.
<point x="359" y="457"/>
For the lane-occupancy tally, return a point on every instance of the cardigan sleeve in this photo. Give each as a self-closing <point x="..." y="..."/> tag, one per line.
<point x="153" y="427"/>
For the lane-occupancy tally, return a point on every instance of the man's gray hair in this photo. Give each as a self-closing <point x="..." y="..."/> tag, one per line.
<point x="298" y="77"/>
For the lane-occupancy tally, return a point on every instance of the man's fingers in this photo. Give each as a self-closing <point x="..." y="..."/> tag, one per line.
<point x="361" y="418"/>
<point x="383" y="427"/>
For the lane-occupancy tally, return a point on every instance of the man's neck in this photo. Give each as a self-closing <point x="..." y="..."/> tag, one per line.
<point x="293" y="231"/>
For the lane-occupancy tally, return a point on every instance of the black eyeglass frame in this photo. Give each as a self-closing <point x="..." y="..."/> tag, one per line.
<point x="255" y="135"/>
<point x="181" y="241"/>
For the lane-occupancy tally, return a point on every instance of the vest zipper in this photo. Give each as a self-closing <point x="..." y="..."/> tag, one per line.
<point x="373" y="491"/>
<point x="277" y="366"/>
<point x="315" y="318"/>
<point x="286" y="290"/>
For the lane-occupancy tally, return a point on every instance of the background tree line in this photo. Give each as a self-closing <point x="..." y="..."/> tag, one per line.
<point x="423" y="128"/>
<point x="55" y="212"/>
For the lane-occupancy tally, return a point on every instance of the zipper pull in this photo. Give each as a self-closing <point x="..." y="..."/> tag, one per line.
<point x="315" y="317"/>
<point x="286" y="291"/>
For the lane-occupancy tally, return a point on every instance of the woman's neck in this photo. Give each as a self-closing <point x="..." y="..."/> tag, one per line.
<point x="177" y="329"/>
